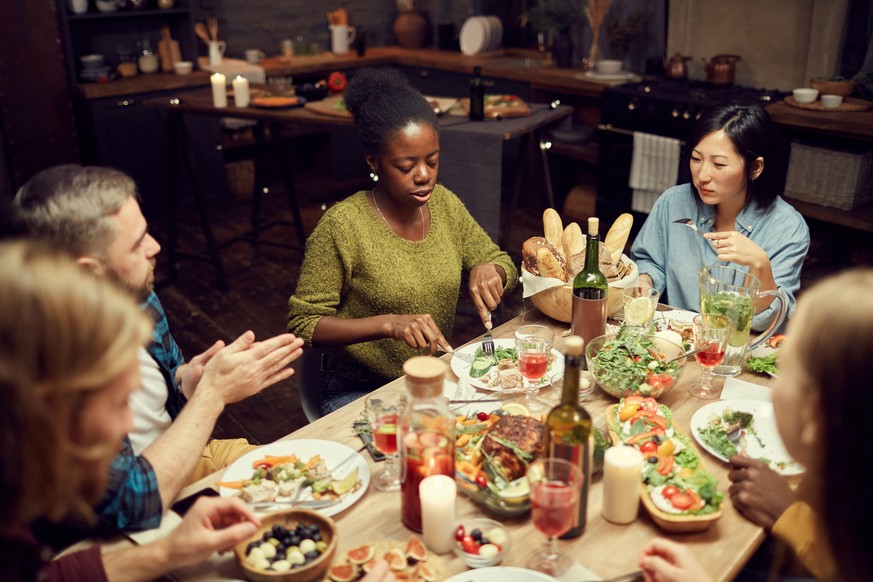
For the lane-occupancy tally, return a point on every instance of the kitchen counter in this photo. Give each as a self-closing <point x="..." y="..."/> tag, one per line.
<point x="143" y="84"/>
<point x="851" y="124"/>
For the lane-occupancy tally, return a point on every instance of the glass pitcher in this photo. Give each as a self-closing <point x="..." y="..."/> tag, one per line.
<point x="734" y="293"/>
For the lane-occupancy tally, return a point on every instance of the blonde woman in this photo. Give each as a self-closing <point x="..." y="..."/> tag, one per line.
<point x="821" y="408"/>
<point x="68" y="365"/>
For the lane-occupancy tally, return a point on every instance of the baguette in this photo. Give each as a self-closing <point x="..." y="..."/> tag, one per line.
<point x="617" y="236"/>
<point x="553" y="229"/>
<point x="576" y="263"/>
<point x="549" y="265"/>
<point x="573" y="239"/>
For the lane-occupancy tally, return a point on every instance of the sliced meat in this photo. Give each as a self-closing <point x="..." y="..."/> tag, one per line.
<point x="513" y="443"/>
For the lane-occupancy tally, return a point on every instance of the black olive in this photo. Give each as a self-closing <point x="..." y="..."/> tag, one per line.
<point x="280" y="555"/>
<point x="300" y="529"/>
<point x="483" y="540"/>
<point x="281" y="547"/>
<point x="311" y="555"/>
<point x="267" y="535"/>
<point x="316" y="537"/>
<point x="657" y="439"/>
<point x="476" y="534"/>
<point x="279" y="530"/>
<point x="294" y="541"/>
<point x="653" y="460"/>
<point x="252" y="546"/>
<point x="286" y="541"/>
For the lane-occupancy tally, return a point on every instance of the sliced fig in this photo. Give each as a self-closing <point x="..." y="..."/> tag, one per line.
<point x="361" y="554"/>
<point x="415" y="549"/>
<point x="396" y="559"/>
<point x="424" y="572"/>
<point x="343" y="572"/>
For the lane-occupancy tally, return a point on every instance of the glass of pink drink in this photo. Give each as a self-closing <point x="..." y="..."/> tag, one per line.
<point x="555" y="485"/>
<point x="533" y="343"/>
<point x="710" y="332"/>
<point x="383" y="410"/>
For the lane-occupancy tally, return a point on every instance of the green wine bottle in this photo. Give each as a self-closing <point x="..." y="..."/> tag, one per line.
<point x="590" y="289"/>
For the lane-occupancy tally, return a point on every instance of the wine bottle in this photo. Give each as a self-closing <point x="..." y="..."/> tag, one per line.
<point x="589" y="292"/>
<point x="477" y="96"/>
<point x="570" y="435"/>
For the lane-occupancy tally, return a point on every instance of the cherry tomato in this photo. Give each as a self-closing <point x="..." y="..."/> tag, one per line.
<point x="682" y="501"/>
<point x="483" y="416"/>
<point x="470" y="546"/>
<point x="264" y="466"/>
<point x="460" y="533"/>
<point x="649" y="404"/>
<point x="648" y="447"/>
<point x="481" y="480"/>
<point x="669" y="491"/>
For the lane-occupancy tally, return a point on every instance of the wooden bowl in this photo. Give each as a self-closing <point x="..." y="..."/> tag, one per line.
<point x="677" y="523"/>
<point x="314" y="570"/>
<point x="843" y="88"/>
<point x="557" y="302"/>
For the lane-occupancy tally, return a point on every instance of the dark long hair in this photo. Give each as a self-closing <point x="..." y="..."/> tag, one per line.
<point x="754" y="135"/>
<point x="834" y="348"/>
<point x="382" y="102"/>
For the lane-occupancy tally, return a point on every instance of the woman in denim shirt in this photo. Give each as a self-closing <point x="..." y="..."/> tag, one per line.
<point x="733" y="198"/>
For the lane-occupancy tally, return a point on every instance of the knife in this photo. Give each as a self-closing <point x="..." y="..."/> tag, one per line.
<point x="308" y="504"/>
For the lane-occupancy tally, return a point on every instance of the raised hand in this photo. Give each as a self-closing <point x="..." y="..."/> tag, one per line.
<point x="191" y="372"/>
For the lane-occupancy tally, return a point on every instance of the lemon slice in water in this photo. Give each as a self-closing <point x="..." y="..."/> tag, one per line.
<point x="638" y="310"/>
<point x="518" y="489"/>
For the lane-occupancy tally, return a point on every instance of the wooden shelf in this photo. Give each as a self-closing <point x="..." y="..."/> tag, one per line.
<point x="860" y="218"/>
<point x="126" y="14"/>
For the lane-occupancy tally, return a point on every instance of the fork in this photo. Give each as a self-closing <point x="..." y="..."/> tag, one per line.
<point x="488" y="340"/>
<point x="689" y="223"/>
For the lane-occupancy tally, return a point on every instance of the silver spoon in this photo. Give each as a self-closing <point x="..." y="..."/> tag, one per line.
<point x="689" y="223"/>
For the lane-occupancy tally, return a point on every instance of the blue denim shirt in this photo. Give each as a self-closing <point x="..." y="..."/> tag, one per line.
<point x="671" y="254"/>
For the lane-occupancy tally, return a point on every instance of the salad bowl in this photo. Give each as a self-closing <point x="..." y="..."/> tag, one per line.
<point x="627" y="364"/>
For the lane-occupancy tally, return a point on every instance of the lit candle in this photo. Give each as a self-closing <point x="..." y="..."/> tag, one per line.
<point x="437" y="494"/>
<point x="622" y="467"/>
<point x="241" y="91"/>
<point x="219" y="90"/>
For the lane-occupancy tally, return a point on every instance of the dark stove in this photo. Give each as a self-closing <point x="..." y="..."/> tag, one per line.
<point x="669" y="108"/>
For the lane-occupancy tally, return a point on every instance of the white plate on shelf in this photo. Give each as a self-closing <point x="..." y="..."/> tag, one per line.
<point x="473" y="36"/>
<point x="619" y="76"/>
<point x="461" y="367"/>
<point x="501" y="574"/>
<point x="764" y="424"/>
<point x="332" y="453"/>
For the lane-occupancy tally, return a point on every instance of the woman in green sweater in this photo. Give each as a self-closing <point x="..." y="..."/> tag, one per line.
<point x="382" y="271"/>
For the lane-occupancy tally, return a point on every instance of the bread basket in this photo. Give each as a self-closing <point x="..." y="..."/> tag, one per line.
<point x="556" y="300"/>
<point x="843" y="88"/>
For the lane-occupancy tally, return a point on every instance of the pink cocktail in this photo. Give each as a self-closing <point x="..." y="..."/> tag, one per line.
<point x="555" y="486"/>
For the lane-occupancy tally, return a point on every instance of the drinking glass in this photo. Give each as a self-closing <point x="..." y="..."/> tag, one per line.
<point x="710" y="332"/>
<point x="383" y="411"/>
<point x="533" y="343"/>
<point x="555" y="486"/>
<point x="640" y="304"/>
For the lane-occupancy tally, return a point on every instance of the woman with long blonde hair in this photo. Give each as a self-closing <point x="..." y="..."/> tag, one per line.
<point x="68" y="365"/>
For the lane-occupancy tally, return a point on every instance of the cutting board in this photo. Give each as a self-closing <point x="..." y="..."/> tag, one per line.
<point x="331" y="106"/>
<point x="168" y="50"/>
<point x="497" y="106"/>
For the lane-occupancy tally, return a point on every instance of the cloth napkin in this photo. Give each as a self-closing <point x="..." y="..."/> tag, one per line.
<point x="654" y="168"/>
<point x="735" y="389"/>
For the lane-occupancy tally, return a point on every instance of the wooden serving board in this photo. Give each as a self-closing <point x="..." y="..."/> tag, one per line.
<point x="848" y="104"/>
<point x="329" y="106"/>
<point x="496" y="107"/>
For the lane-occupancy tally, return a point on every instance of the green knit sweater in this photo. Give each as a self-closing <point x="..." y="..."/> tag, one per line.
<point x="356" y="266"/>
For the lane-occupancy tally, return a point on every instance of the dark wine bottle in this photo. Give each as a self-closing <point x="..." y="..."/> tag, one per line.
<point x="589" y="292"/>
<point x="477" y="96"/>
<point x="570" y="436"/>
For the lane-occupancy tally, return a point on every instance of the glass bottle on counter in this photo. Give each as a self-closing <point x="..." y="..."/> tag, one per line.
<point x="426" y="434"/>
<point x="569" y="424"/>
<point x="590" y="288"/>
<point x="477" y="96"/>
<point x="148" y="60"/>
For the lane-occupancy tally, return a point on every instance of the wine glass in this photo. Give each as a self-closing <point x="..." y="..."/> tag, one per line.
<point x="533" y="343"/>
<point x="383" y="412"/>
<point x="555" y="487"/>
<point x="711" y="332"/>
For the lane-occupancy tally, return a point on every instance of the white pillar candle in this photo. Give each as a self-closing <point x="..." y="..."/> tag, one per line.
<point x="219" y="90"/>
<point x="241" y="91"/>
<point x="437" y="494"/>
<point x="622" y="467"/>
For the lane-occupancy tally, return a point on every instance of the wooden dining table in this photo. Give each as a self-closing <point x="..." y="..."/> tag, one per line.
<point x="604" y="548"/>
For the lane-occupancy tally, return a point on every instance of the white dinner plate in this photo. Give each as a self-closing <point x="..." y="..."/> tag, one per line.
<point x="765" y="426"/>
<point x="619" y="76"/>
<point x="461" y="368"/>
<point x="496" y="32"/>
<point x="332" y="453"/>
<point x="501" y="574"/>
<point x="472" y="37"/>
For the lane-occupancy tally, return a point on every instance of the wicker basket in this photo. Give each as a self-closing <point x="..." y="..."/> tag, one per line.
<point x="843" y="88"/>
<point x="840" y="179"/>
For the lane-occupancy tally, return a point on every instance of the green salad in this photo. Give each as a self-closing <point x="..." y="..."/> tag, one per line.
<point x="633" y="363"/>
<point x="762" y="364"/>
<point x="482" y="363"/>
